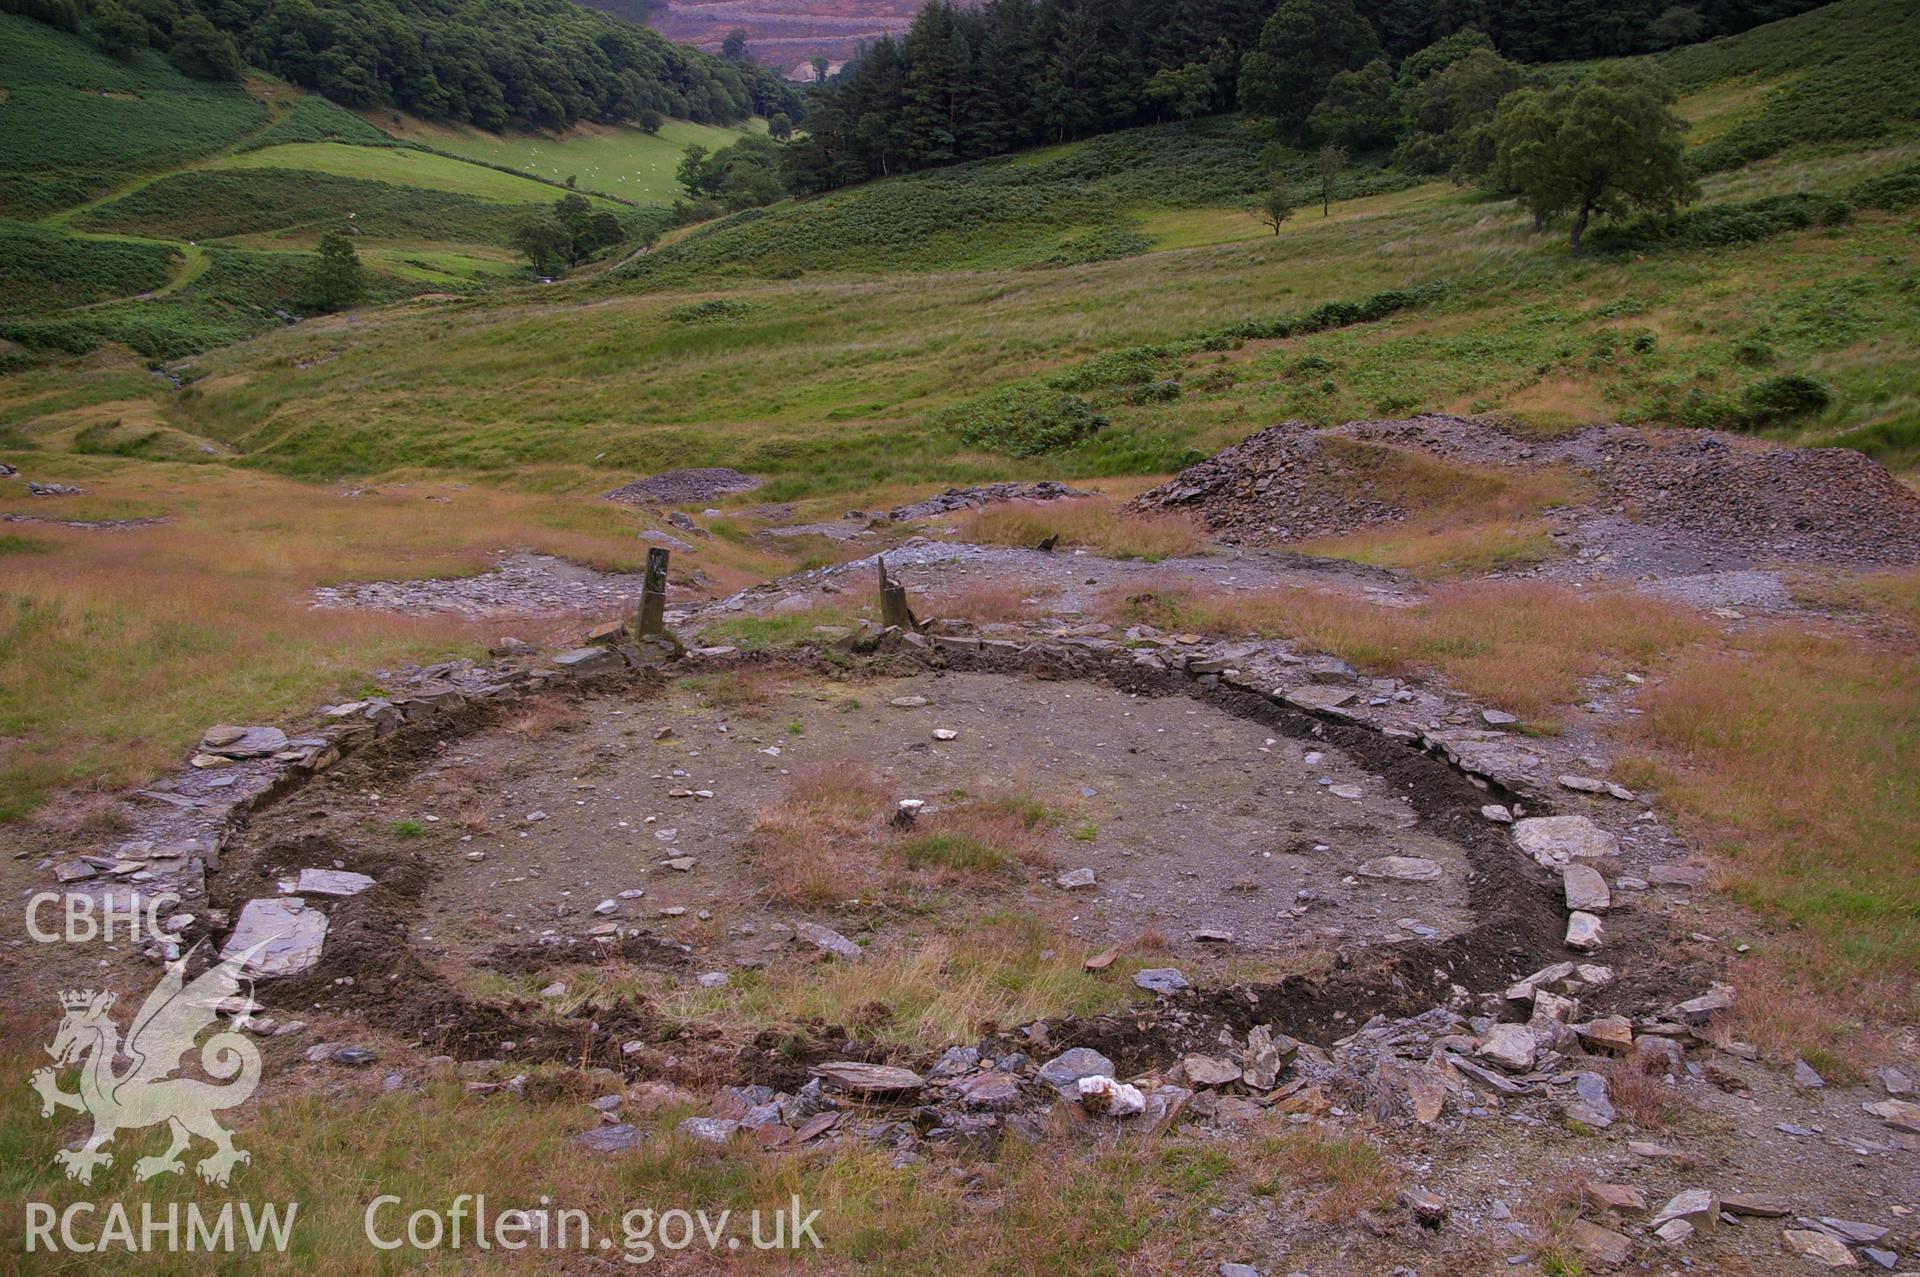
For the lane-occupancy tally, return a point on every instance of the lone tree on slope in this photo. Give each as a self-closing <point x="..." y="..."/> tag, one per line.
<point x="1276" y="206"/>
<point x="1605" y="144"/>
<point x="338" y="280"/>
<point x="1328" y="163"/>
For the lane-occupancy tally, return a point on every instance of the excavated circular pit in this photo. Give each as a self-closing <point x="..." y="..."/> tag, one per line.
<point x="672" y="829"/>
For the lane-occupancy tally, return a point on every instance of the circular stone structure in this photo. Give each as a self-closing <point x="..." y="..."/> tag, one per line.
<point x="583" y="818"/>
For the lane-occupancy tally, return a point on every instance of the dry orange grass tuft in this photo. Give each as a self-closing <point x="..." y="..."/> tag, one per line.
<point x="544" y="716"/>
<point x="748" y="691"/>
<point x="983" y="837"/>
<point x="1466" y="520"/>
<point x="1153" y="940"/>
<point x="118" y="648"/>
<point x="1795" y="757"/>
<point x="1890" y="596"/>
<point x="988" y="604"/>
<point x="1524" y="647"/>
<point x="819" y="844"/>
<point x="1093" y="523"/>
<point x="1639" y="1096"/>
<point x="1342" y="1175"/>
<point x="1430" y="551"/>
<point x="107" y="674"/>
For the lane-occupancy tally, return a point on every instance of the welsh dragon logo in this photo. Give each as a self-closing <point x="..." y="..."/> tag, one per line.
<point x="144" y="1093"/>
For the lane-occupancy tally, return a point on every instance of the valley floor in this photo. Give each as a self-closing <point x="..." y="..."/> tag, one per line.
<point x="1429" y="719"/>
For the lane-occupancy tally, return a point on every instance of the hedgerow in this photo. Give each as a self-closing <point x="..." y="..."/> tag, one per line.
<point x="1716" y="225"/>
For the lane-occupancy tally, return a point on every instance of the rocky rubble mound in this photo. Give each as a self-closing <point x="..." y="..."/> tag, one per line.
<point x="1734" y="496"/>
<point x="679" y="487"/>
<point x="954" y="499"/>
<point x="1280" y="485"/>
<point x="1806" y="504"/>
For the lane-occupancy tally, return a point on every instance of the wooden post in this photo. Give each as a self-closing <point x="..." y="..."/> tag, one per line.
<point x="893" y="601"/>
<point x="653" y="595"/>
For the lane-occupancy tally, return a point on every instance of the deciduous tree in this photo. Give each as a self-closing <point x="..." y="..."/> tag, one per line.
<point x="203" y="51"/>
<point x="1276" y="206"/>
<point x="1329" y="162"/>
<point x="1359" y="108"/>
<point x="1302" y="47"/>
<point x="546" y="244"/>
<point x="1183" y="91"/>
<point x="1603" y="144"/>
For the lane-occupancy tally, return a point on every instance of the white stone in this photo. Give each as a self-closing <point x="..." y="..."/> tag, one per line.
<point x="288" y="932"/>
<point x="1115" y="1099"/>
<point x="826" y="938"/>
<point x="1404" y="868"/>
<point x="1699" y="1207"/>
<point x="1554" y="841"/>
<point x="327" y="882"/>
<point x="1510" y="1046"/>
<point x="1827" y="1251"/>
<point x="1586" y="889"/>
<point x="1584" y="932"/>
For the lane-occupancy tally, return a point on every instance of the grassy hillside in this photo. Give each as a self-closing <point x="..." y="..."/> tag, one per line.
<point x="877" y="307"/>
<point x="75" y="122"/>
<point x="1084" y="202"/>
<point x="169" y="215"/>
<point x="828" y="385"/>
<point x="1842" y="73"/>
<point x="618" y="159"/>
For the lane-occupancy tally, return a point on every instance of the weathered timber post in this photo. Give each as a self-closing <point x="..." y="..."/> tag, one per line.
<point x="653" y="595"/>
<point x="893" y="601"/>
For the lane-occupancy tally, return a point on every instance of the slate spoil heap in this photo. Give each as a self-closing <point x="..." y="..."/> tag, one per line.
<point x="1734" y="494"/>
<point x="1279" y="485"/>
<point x="679" y="487"/>
<point x="1808" y="504"/>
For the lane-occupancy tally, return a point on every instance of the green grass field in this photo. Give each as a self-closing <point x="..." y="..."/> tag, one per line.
<point x="401" y="167"/>
<point x="172" y="216"/>
<point x="619" y="160"/>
